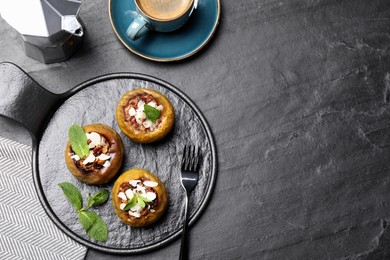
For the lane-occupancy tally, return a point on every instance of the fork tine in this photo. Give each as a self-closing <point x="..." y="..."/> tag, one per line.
<point x="196" y="158"/>
<point x="187" y="166"/>
<point x="189" y="148"/>
<point x="190" y="157"/>
<point x="193" y="158"/>
<point x="183" y="158"/>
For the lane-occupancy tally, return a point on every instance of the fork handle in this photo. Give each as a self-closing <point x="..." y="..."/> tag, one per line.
<point x="184" y="235"/>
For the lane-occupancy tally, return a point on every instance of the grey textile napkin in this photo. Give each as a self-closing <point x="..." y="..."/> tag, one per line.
<point x="26" y="232"/>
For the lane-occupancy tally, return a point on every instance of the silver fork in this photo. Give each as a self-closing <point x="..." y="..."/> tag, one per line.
<point x="189" y="179"/>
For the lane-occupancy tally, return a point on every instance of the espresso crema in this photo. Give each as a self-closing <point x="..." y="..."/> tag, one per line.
<point x="164" y="9"/>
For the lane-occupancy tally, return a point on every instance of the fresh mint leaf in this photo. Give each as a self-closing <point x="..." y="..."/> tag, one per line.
<point x="131" y="203"/>
<point x="137" y="199"/>
<point x="73" y="194"/>
<point x="98" y="198"/>
<point x="140" y="202"/>
<point x="145" y="199"/>
<point x="89" y="200"/>
<point x="78" y="141"/>
<point x="94" y="225"/>
<point x="152" y="113"/>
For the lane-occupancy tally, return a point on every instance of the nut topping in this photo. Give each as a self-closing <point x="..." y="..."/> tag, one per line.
<point x="98" y="157"/>
<point x="135" y="114"/>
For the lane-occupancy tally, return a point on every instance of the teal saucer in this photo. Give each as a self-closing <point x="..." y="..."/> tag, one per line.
<point x="173" y="46"/>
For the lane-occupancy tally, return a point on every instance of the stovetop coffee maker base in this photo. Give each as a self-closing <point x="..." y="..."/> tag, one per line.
<point x="56" y="53"/>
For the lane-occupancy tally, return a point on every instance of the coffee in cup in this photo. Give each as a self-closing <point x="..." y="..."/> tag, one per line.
<point x="159" y="15"/>
<point x="164" y="10"/>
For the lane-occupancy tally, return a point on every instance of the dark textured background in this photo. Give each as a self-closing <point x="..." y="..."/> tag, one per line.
<point x="297" y="94"/>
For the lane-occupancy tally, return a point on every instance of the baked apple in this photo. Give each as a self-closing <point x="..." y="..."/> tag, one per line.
<point x="139" y="198"/>
<point x="103" y="158"/>
<point x="145" y="115"/>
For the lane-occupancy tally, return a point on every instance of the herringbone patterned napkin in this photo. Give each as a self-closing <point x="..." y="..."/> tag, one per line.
<point x="25" y="230"/>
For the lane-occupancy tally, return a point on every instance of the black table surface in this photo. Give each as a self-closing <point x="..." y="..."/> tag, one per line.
<point x="297" y="94"/>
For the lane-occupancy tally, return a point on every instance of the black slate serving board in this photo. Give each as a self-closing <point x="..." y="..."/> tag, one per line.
<point x="94" y="102"/>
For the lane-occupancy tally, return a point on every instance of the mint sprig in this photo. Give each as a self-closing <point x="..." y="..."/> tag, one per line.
<point x="152" y="113"/>
<point x="141" y="202"/>
<point x="98" y="198"/>
<point x="72" y="194"/>
<point x="137" y="199"/>
<point x="91" y="222"/>
<point x="78" y="141"/>
<point x="94" y="225"/>
<point x="145" y="199"/>
<point x="131" y="203"/>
